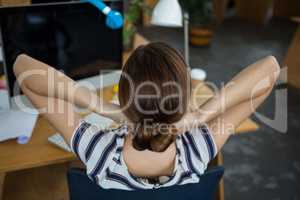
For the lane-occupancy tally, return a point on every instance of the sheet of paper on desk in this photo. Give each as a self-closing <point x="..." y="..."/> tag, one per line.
<point x="15" y="123"/>
<point x="98" y="120"/>
<point x="4" y="100"/>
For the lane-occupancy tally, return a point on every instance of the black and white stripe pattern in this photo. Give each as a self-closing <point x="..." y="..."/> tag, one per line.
<point x="104" y="155"/>
<point x="184" y="176"/>
<point x="209" y="141"/>
<point x="77" y="137"/>
<point x="188" y="157"/>
<point x="101" y="151"/>
<point x="121" y="179"/>
<point x="193" y="145"/>
<point x="91" y="146"/>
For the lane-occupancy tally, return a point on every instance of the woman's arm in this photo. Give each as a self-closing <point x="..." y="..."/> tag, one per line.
<point x="236" y="100"/>
<point x="61" y="115"/>
<point x="252" y="82"/>
<point x="44" y="80"/>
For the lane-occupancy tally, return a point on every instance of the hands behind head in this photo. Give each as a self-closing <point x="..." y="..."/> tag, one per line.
<point x="192" y="119"/>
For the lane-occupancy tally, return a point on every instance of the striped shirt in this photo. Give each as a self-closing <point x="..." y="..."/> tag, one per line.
<point x="101" y="152"/>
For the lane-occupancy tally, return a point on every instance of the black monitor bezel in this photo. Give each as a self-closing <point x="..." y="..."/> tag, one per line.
<point x="60" y="5"/>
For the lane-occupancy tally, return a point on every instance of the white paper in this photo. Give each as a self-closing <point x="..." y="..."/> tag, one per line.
<point x="4" y="100"/>
<point x="15" y="123"/>
<point x="98" y="120"/>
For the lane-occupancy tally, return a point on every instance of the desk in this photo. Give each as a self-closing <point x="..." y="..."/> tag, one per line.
<point x="38" y="169"/>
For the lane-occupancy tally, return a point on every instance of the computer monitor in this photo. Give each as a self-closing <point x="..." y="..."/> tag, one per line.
<point x="71" y="37"/>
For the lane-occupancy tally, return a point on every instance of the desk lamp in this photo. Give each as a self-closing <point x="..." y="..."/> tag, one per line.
<point x="114" y="19"/>
<point x="168" y="13"/>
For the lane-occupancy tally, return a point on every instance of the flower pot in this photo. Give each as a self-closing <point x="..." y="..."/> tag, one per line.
<point x="200" y="35"/>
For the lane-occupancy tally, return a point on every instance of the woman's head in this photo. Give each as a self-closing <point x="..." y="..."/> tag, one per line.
<point x="154" y="92"/>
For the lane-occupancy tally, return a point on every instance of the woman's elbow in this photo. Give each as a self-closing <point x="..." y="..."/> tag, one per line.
<point x="19" y="64"/>
<point x="272" y="67"/>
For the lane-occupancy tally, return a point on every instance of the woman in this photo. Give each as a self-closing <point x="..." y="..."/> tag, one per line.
<point x="159" y="143"/>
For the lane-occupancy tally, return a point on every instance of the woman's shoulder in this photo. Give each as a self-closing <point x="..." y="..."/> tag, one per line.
<point x="121" y="130"/>
<point x="89" y="139"/>
<point x="198" y="144"/>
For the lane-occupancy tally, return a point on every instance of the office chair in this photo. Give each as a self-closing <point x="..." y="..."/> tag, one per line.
<point x="81" y="188"/>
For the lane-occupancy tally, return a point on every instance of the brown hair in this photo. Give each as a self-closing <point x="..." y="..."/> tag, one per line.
<point x="159" y="64"/>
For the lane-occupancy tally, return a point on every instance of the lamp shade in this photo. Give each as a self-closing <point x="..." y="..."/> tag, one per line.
<point x="167" y="13"/>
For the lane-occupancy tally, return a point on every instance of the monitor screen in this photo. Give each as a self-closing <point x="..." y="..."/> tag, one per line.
<point x="71" y="37"/>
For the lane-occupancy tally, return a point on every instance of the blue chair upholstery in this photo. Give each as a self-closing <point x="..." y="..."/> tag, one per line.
<point x="82" y="188"/>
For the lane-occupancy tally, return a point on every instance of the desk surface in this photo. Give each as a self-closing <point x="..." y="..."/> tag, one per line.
<point x="39" y="152"/>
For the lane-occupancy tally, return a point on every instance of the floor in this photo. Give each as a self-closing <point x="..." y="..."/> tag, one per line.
<point x="264" y="164"/>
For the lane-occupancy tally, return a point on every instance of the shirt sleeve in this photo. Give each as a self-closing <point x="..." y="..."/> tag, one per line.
<point x="94" y="147"/>
<point x="201" y="146"/>
<point x="86" y="138"/>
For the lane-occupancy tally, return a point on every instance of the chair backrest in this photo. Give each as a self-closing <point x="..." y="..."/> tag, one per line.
<point x="82" y="188"/>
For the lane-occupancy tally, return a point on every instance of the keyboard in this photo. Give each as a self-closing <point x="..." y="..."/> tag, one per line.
<point x="59" y="141"/>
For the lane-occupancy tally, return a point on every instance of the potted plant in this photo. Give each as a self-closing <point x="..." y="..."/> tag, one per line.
<point x="147" y="11"/>
<point x="201" y="19"/>
<point x="131" y="16"/>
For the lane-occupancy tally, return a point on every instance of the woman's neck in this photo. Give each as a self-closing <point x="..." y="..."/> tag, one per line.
<point x="149" y="163"/>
